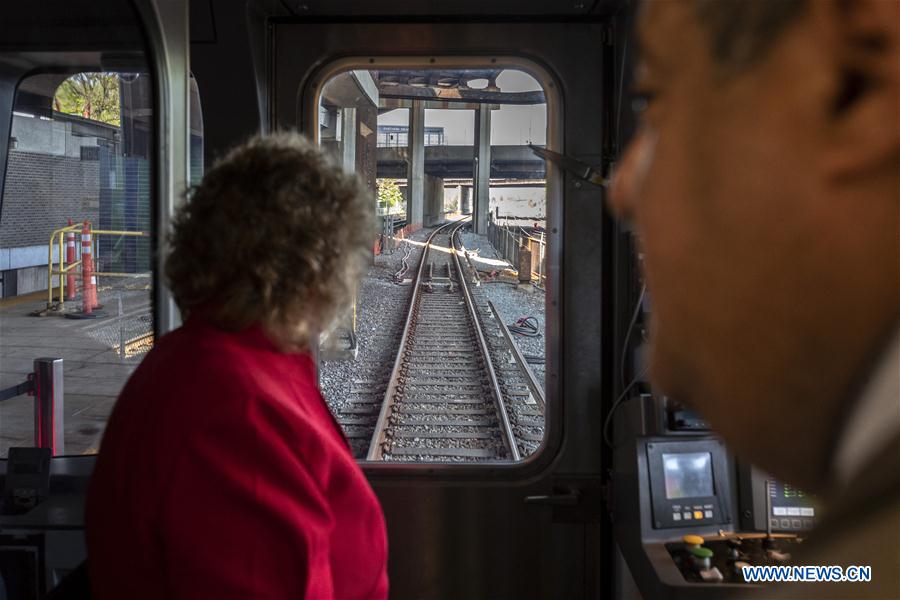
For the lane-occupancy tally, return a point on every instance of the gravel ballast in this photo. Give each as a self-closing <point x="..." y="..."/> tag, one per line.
<point x="511" y="302"/>
<point x="354" y="389"/>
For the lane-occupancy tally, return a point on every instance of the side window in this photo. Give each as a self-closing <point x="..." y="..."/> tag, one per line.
<point x="442" y="357"/>
<point x="75" y="249"/>
<point x="196" y="143"/>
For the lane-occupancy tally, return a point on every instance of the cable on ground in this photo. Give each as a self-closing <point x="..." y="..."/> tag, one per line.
<point x="525" y="326"/>
<point x="404" y="262"/>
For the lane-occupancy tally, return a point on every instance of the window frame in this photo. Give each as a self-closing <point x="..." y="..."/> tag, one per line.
<point x="163" y="44"/>
<point x="552" y="445"/>
<point x="60" y="66"/>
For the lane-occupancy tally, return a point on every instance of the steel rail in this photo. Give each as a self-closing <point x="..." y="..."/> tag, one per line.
<point x="380" y="436"/>
<point x="536" y="388"/>
<point x="375" y="447"/>
<point x="509" y="438"/>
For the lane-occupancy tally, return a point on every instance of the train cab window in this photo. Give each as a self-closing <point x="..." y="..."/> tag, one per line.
<point x="441" y="359"/>
<point x="75" y="253"/>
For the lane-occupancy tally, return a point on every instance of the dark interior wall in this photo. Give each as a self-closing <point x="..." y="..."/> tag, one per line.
<point x="623" y="122"/>
<point x="623" y="58"/>
<point x="226" y="42"/>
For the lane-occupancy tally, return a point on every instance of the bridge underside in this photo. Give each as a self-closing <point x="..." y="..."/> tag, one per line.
<point x="457" y="162"/>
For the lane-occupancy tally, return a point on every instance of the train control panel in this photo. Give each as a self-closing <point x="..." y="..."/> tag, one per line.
<point x="688" y="516"/>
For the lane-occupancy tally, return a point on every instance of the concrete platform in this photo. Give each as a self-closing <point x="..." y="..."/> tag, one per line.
<point x="94" y="368"/>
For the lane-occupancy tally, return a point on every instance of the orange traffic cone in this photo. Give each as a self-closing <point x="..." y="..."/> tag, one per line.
<point x="88" y="279"/>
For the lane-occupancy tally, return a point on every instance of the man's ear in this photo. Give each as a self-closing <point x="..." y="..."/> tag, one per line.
<point x="864" y="134"/>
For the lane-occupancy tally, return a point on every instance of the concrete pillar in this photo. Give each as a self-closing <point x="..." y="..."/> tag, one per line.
<point x="366" y="155"/>
<point x="348" y="139"/>
<point x="434" y="200"/>
<point x="339" y="342"/>
<point x="465" y="200"/>
<point x="482" y="174"/>
<point x="416" y="173"/>
<point x="366" y="146"/>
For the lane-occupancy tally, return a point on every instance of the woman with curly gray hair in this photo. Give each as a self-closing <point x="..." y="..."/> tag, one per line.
<point x="222" y="472"/>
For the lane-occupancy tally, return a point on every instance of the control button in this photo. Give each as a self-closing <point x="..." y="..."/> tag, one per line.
<point x="808" y="523"/>
<point x="713" y="575"/>
<point x="707" y="514"/>
<point x="773" y="523"/>
<point x="779" y="511"/>
<point x="687" y="516"/>
<point x="676" y="516"/>
<point x="692" y="540"/>
<point x="793" y="511"/>
<point x="785" y="523"/>
<point x="698" y="514"/>
<point x="702" y="557"/>
<point x="795" y="523"/>
<point x="807" y="511"/>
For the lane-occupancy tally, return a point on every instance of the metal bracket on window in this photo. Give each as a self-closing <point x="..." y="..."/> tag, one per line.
<point x="572" y="165"/>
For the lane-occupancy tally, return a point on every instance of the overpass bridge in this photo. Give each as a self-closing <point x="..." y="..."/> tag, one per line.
<point x="458" y="162"/>
<point x="352" y="101"/>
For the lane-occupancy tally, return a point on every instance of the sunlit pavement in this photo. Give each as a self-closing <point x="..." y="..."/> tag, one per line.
<point x="94" y="370"/>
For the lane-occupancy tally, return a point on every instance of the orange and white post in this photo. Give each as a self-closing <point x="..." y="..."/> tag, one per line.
<point x="70" y="260"/>
<point x="88" y="280"/>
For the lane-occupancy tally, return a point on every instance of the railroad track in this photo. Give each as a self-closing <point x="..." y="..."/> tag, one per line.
<point x="443" y="400"/>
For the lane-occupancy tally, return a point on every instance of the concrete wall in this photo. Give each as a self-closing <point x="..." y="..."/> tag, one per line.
<point x="50" y="179"/>
<point x="32" y="279"/>
<point x="63" y="135"/>
<point x="43" y="136"/>
<point x="47" y="181"/>
<point x="41" y="192"/>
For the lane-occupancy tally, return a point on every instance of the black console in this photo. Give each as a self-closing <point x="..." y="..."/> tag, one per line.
<point x="779" y="507"/>
<point x="688" y="516"/>
<point x="721" y="559"/>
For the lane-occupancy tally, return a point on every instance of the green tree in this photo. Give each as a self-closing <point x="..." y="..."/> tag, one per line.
<point x="389" y="194"/>
<point x="90" y="95"/>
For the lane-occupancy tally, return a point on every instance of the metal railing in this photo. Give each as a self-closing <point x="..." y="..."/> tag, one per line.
<point x="45" y="383"/>
<point x="507" y="240"/>
<point x="392" y="226"/>
<point x="57" y="238"/>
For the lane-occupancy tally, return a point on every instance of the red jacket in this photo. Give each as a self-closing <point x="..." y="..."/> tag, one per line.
<point x="222" y="474"/>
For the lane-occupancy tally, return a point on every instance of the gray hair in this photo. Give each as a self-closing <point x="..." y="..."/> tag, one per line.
<point x="276" y="235"/>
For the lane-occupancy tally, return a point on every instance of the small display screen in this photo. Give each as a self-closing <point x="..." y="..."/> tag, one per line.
<point x="788" y="501"/>
<point x="688" y="475"/>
